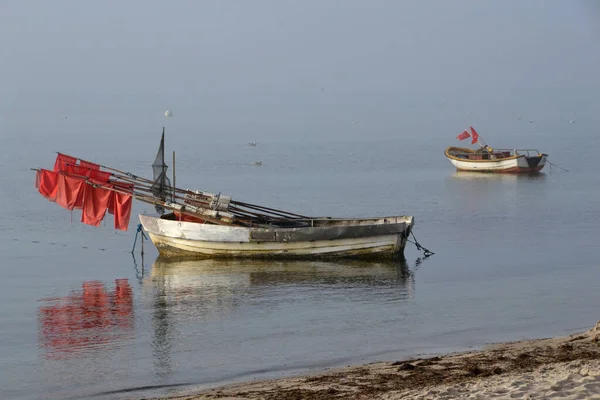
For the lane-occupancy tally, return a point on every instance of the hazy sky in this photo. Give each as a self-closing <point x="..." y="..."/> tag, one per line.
<point x="254" y="62"/>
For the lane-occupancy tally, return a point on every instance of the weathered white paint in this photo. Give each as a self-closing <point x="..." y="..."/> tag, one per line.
<point x="174" y="238"/>
<point x="195" y="231"/>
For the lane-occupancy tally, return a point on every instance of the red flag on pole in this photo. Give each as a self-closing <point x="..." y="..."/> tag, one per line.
<point x="63" y="161"/>
<point x="463" y="135"/>
<point x="475" y="135"/>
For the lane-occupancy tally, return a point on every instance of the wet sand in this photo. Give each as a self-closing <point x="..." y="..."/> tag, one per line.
<point x="563" y="367"/>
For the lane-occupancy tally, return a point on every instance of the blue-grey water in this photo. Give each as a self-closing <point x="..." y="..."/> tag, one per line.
<point x="515" y="256"/>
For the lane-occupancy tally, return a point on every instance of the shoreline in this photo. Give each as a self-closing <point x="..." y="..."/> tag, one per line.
<point x="565" y="367"/>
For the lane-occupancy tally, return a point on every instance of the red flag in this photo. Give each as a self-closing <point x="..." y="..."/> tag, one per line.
<point x="47" y="183"/>
<point x="122" y="210"/>
<point x="75" y="170"/>
<point x="63" y="161"/>
<point x="119" y="205"/>
<point x="463" y="135"/>
<point x="98" y="176"/>
<point x="88" y="170"/>
<point x="89" y="165"/>
<point x="475" y="135"/>
<point x="95" y="202"/>
<point x="69" y="193"/>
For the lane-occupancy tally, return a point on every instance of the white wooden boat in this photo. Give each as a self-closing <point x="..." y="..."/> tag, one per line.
<point x="486" y="159"/>
<point x="383" y="237"/>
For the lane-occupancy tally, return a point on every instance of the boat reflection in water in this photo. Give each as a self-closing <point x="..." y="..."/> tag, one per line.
<point x="479" y="192"/>
<point x="187" y="276"/>
<point x="467" y="175"/>
<point x="201" y="288"/>
<point x="192" y="297"/>
<point x="86" y="320"/>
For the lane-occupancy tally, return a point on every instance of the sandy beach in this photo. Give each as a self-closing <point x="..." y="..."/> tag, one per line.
<point x="554" y="368"/>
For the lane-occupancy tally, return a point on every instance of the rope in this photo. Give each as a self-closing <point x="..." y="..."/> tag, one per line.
<point x="139" y="230"/>
<point x="426" y="252"/>
<point x="557" y="166"/>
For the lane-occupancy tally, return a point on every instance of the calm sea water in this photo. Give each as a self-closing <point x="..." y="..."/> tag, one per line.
<point x="516" y="257"/>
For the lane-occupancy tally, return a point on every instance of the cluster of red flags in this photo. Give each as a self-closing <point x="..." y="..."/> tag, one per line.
<point x="466" y="135"/>
<point x="81" y="185"/>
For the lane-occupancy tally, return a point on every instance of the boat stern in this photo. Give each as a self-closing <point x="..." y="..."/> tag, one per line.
<point x="403" y="238"/>
<point x="533" y="164"/>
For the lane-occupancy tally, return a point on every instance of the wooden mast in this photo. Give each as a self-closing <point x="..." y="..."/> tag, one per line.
<point x="174" y="186"/>
<point x="163" y="176"/>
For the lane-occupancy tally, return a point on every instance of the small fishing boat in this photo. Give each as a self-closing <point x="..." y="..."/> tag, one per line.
<point x="199" y="224"/>
<point x="487" y="159"/>
<point x="313" y="238"/>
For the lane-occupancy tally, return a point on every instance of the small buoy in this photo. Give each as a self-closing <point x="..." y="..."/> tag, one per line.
<point x="168" y="113"/>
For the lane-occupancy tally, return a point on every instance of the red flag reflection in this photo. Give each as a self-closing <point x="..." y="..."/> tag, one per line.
<point x="88" y="317"/>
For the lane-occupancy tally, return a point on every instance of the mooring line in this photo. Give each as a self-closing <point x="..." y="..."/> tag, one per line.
<point x="139" y="230"/>
<point x="558" y="166"/>
<point x="426" y="252"/>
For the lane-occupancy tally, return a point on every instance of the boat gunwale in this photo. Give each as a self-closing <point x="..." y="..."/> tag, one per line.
<point x="367" y="221"/>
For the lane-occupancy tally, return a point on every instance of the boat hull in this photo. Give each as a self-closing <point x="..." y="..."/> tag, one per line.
<point x="511" y="165"/>
<point x="383" y="238"/>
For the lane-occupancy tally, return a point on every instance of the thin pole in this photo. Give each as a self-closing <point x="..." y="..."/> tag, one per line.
<point x="174" y="186"/>
<point x="257" y="207"/>
<point x="478" y="136"/>
<point x="163" y="176"/>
